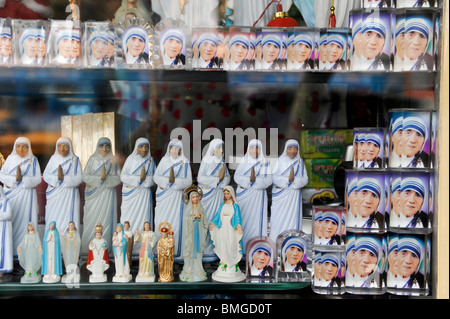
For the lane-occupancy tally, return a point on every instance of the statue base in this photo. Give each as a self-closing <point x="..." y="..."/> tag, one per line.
<point x="51" y="279"/>
<point x="98" y="278"/>
<point x="122" y="278"/>
<point x="150" y="278"/>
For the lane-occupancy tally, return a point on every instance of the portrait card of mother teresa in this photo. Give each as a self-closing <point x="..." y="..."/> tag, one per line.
<point x="30" y="42"/>
<point x="261" y="255"/>
<point x="172" y="46"/>
<point x="135" y="45"/>
<point x="416" y="139"/>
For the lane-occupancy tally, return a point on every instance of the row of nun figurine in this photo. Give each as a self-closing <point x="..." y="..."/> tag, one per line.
<point x="20" y="174"/>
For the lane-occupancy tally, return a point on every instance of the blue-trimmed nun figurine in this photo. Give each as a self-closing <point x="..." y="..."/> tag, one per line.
<point x="212" y="178"/>
<point x="20" y="175"/>
<point x="253" y="177"/>
<point x="289" y="177"/>
<point x="51" y="256"/>
<point x="411" y="261"/>
<point x="172" y="176"/>
<point x="412" y="200"/>
<point x="135" y="45"/>
<point x="369" y="199"/>
<point x="172" y="47"/>
<point x="195" y="230"/>
<point x="120" y="255"/>
<point x="6" y="242"/>
<point x="63" y="175"/>
<point x="226" y="235"/>
<point x="137" y="178"/>
<point x="101" y="175"/>
<point x="29" y="253"/>
<point x="418" y="37"/>
<point x="414" y="139"/>
<point x="368" y="258"/>
<point x="373" y="43"/>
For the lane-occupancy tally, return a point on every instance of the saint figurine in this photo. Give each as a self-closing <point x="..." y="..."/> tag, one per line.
<point x="6" y="245"/>
<point x="70" y="247"/>
<point x="20" y="175"/>
<point x="120" y="256"/>
<point x="212" y="177"/>
<point x="226" y="235"/>
<point x="137" y="178"/>
<point x="194" y="236"/>
<point x="101" y="175"/>
<point x="166" y="251"/>
<point x="252" y="177"/>
<point x="147" y="239"/>
<point x="30" y="255"/>
<point x="172" y="176"/>
<point x="51" y="255"/>
<point x="63" y="176"/>
<point x="98" y="261"/>
<point x="289" y="177"/>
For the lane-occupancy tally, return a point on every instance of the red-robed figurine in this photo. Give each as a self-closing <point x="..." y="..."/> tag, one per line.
<point x="98" y="261"/>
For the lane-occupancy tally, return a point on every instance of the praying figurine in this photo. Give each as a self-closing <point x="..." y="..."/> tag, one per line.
<point x="51" y="255"/>
<point x="29" y="252"/>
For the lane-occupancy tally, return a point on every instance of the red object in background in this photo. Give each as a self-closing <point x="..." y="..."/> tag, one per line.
<point x="282" y="19"/>
<point x="332" y="18"/>
<point x="25" y="9"/>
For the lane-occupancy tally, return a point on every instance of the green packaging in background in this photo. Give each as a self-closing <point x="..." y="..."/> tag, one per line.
<point x="321" y="171"/>
<point x="325" y="143"/>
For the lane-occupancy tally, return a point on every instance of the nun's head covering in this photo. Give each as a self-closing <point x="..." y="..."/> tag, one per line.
<point x="139" y="142"/>
<point x="6" y="32"/>
<point x="375" y="25"/>
<point x="337" y="39"/>
<point x="400" y="26"/>
<point x="240" y="39"/>
<point x="98" y="35"/>
<point x="172" y="33"/>
<point x="104" y="141"/>
<point x="131" y="32"/>
<point x="331" y="258"/>
<point x="373" y="138"/>
<point x="207" y="37"/>
<point x="254" y="143"/>
<point x="420" y="25"/>
<point x="396" y="185"/>
<point x="294" y="242"/>
<point x="291" y="143"/>
<point x="178" y="144"/>
<point x="370" y="184"/>
<point x="63" y="34"/>
<point x="393" y="244"/>
<point x="397" y="124"/>
<point x="210" y="157"/>
<point x="264" y="247"/>
<point x="371" y="244"/>
<point x="76" y="34"/>
<point x="352" y="186"/>
<point x="28" y="33"/>
<point x="67" y="141"/>
<point x="272" y="38"/>
<point x="304" y="38"/>
<point x="231" y="190"/>
<point x="417" y="124"/>
<point x="22" y="141"/>
<point x="331" y="216"/>
<point x="415" y="246"/>
<point x="415" y="184"/>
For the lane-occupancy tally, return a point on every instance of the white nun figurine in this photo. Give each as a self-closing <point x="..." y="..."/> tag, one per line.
<point x="63" y="176"/>
<point x="30" y="255"/>
<point x="226" y="235"/>
<point x="137" y="178"/>
<point x="212" y="177"/>
<point x="172" y="176"/>
<point x="289" y="176"/>
<point x="6" y="245"/>
<point x="102" y="175"/>
<point x="20" y="174"/>
<point x="253" y="176"/>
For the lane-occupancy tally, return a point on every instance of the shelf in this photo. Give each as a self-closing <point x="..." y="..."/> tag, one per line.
<point x="15" y="288"/>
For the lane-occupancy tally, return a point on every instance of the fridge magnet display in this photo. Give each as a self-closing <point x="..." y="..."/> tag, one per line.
<point x="409" y="265"/>
<point x="147" y="238"/>
<point x="261" y="259"/>
<point x="166" y="252"/>
<point x="134" y="43"/>
<point x="29" y="252"/>
<point x="173" y="38"/>
<point x="239" y="49"/>
<point x="70" y="248"/>
<point x="206" y="53"/>
<point x="30" y="42"/>
<point x="98" y="259"/>
<point x="98" y="39"/>
<point x="6" y="46"/>
<point x="329" y="273"/>
<point x="367" y="264"/>
<point x="294" y="256"/>
<point x="52" y="269"/>
<point x="226" y="235"/>
<point x="195" y="229"/>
